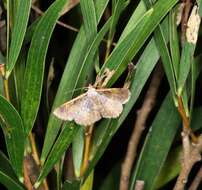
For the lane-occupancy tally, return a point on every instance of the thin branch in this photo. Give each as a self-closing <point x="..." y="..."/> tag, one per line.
<point x="40" y="12"/>
<point x="197" y="180"/>
<point x="31" y="172"/>
<point x="69" y="27"/>
<point x="139" y="126"/>
<point x="88" y="136"/>
<point x="192" y="154"/>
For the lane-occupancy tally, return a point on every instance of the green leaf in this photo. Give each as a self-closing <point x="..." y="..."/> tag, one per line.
<point x="60" y="142"/>
<point x="200" y="7"/>
<point x="60" y="146"/>
<point x="89" y="18"/>
<point x="157" y="145"/>
<point x="12" y="126"/>
<point x="18" y="75"/>
<point x="170" y="168"/>
<point x="35" y="64"/>
<point x="185" y="65"/>
<point x="105" y="131"/>
<point x="117" y="8"/>
<point x="127" y="48"/>
<point x="71" y="185"/>
<point x="110" y="182"/>
<point x="166" y="59"/>
<point x="67" y="83"/>
<point x="7" y="175"/>
<point x="77" y="150"/>
<point x="18" y="33"/>
<point x="88" y="184"/>
<point x="134" y="19"/>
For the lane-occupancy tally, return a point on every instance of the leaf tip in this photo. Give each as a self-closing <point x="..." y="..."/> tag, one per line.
<point x="21" y="179"/>
<point x="37" y="184"/>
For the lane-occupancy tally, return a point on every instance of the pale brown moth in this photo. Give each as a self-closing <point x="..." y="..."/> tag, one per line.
<point x="93" y="105"/>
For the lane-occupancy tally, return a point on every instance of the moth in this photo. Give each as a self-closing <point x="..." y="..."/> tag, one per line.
<point x="93" y="105"/>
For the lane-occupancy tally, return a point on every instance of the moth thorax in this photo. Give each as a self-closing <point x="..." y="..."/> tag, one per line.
<point x="91" y="92"/>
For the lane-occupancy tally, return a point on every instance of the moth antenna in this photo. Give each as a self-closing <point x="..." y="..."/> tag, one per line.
<point x="76" y="89"/>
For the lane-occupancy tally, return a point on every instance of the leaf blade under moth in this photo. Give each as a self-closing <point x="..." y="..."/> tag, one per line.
<point x="68" y="79"/>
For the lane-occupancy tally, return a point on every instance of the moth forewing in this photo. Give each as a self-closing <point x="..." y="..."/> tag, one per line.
<point x="63" y="111"/>
<point x="93" y="105"/>
<point x="119" y="94"/>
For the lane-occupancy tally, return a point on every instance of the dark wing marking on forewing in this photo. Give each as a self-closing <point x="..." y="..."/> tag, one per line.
<point x="119" y="94"/>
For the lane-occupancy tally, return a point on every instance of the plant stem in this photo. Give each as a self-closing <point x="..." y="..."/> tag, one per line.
<point x="185" y="120"/>
<point x="88" y="136"/>
<point x="36" y="157"/>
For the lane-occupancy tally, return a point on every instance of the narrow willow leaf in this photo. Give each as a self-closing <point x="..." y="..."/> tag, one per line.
<point x="136" y="16"/>
<point x="18" y="33"/>
<point x="166" y="60"/>
<point x="127" y="48"/>
<point x="69" y="77"/>
<point x="157" y="145"/>
<point x="170" y="168"/>
<point x="35" y="64"/>
<point x="12" y="126"/>
<point x="77" y="150"/>
<point x="18" y="74"/>
<point x="105" y="131"/>
<point x="117" y="8"/>
<point x="89" y="18"/>
<point x="7" y="175"/>
<point x="62" y="143"/>
<point x="165" y="56"/>
<point x="88" y="184"/>
<point x="51" y="160"/>
<point x="185" y="65"/>
<point x="110" y="182"/>
<point x="88" y="63"/>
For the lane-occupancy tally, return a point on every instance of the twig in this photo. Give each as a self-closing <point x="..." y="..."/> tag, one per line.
<point x="27" y="180"/>
<point x="139" y="185"/>
<point x="88" y="136"/>
<point x="139" y="127"/>
<point x="40" y="12"/>
<point x="191" y="151"/>
<point x="192" y="154"/>
<point x="197" y="180"/>
<point x="37" y="10"/>
<point x="36" y="157"/>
